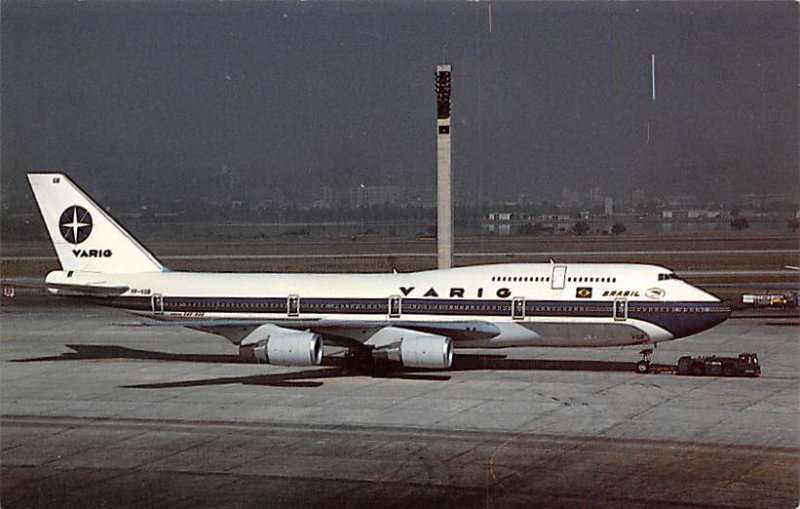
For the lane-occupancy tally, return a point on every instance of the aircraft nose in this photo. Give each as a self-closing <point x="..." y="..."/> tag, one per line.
<point x="694" y="323"/>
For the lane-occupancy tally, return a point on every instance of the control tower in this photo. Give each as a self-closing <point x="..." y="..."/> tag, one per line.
<point x="444" y="181"/>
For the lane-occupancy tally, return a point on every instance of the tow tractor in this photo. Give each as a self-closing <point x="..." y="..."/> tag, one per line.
<point x="746" y="364"/>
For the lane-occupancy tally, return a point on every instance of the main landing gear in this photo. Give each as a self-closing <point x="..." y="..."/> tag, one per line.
<point x="358" y="361"/>
<point x="643" y="366"/>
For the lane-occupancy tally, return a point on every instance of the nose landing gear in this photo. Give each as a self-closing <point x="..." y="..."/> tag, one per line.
<point x="643" y="366"/>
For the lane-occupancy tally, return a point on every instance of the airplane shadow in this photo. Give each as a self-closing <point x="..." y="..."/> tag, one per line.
<point x="333" y="367"/>
<point x="88" y="352"/>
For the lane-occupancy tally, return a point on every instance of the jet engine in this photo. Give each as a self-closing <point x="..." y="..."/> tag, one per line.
<point x="426" y="351"/>
<point x="413" y="349"/>
<point x="284" y="347"/>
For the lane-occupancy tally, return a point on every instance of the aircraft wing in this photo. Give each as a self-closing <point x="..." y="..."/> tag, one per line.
<point x="336" y="332"/>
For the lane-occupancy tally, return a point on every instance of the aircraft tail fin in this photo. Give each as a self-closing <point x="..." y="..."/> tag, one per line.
<point x="86" y="237"/>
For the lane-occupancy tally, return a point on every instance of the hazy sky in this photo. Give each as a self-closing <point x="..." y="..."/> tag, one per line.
<point x="156" y="98"/>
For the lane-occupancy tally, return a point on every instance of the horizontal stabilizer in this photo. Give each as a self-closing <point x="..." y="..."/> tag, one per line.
<point x="79" y="290"/>
<point x="83" y="284"/>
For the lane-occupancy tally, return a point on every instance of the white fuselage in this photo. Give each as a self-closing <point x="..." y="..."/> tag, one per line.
<point x="536" y="304"/>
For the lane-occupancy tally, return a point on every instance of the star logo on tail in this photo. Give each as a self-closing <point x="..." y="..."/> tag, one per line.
<point x="75" y="224"/>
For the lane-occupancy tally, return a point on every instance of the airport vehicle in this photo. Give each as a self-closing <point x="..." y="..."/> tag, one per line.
<point x="746" y="364"/>
<point x="777" y="300"/>
<point x="413" y="318"/>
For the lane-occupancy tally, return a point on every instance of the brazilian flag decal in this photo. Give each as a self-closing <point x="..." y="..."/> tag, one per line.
<point x="583" y="293"/>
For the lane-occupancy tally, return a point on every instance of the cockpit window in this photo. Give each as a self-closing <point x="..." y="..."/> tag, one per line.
<point x="664" y="277"/>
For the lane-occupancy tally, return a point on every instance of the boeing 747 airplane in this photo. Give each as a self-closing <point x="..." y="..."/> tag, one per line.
<point x="416" y="319"/>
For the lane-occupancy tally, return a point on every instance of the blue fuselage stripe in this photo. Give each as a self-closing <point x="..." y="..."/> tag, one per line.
<point x="679" y="318"/>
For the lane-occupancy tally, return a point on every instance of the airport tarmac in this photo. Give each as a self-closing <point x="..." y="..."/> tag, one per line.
<point x="97" y="414"/>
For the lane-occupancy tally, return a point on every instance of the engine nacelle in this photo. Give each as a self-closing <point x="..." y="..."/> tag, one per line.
<point x="284" y="347"/>
<point x="413" y="349"/>
<point x="426" y="351"/>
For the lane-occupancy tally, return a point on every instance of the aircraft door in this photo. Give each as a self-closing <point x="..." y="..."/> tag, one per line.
<point x="620" y="310"/>
<point x="395" y="306"/>
<point x="559" y="277"/>
<point x="518" y="308"/>
<point x="157" y="304"/>
<point x="293" y="305"/>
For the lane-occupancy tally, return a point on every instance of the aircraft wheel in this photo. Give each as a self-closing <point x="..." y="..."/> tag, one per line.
<point x="642" y="367"/>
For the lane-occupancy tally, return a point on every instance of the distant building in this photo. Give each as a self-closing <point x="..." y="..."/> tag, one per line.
<point x="757" y="200"/>
<point x="570" y="198"/>
<point x="556" y="222"/>
<point x="418" y="196"/>
<point x="326" y="199"/>
<point x="692" y="214"/>
<point x="637" y="196"/>
<point x="505" y="223"/>
<point x="703" y="214"/>
<point x="500" y="216"/>
<point x="498" y="228"/>
<point x="369" y="196"/>
<point x="608" y="206"/>
<point x="574" y="199"/>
